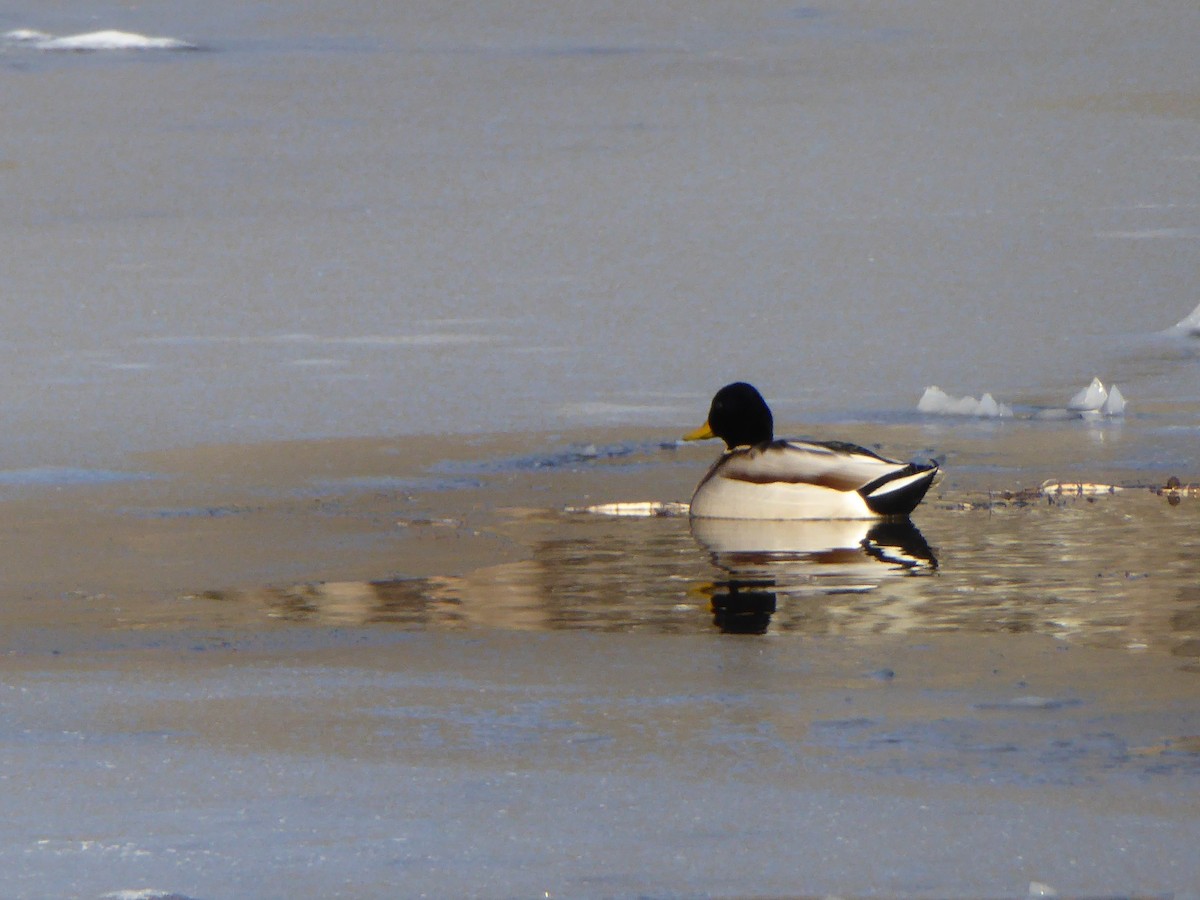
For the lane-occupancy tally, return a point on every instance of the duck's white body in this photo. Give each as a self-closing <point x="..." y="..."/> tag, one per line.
<point x="786" y="480"/>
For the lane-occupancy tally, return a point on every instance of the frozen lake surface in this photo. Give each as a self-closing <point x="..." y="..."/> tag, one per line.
<point x="358" y="221"/>
<point x="373" y="764"/>
<point x="395" y="662"/>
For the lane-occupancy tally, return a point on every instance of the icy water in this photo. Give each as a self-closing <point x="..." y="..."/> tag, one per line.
<point x="471" y="269"/>
<point x="361" y="220"/>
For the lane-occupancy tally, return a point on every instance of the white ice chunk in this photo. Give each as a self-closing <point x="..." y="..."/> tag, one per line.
<point x="637" y="509"/>
<point x="1191" y="324"/>
<point x="989" y="408"/>
<point x="112" y="40"/>
<point x="1114" y="404"/>
<point x="26" y="34"/>
<point x="1091" y="397"/>
<point x="1093" y="402"/>
<point x="937" y="402"/>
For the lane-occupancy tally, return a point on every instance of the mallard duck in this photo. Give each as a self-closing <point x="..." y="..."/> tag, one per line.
<point x="759" y="477"/>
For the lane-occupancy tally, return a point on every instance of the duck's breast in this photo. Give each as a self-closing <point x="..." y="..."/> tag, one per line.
<point x="727" y="498"/>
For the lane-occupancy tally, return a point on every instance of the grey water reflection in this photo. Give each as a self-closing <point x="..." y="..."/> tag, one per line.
<point x="1121" y="571"/>
<point x="766" y="560"/>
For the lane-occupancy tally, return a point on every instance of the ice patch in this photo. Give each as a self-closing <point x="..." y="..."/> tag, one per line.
<point x="416" y="340"/>
<point x="54" y="476"/>
<point x="26" y="35"/>
<point x="600" y="409"/>
<point x="96" y="40"/>
<point x="1020" y="703"/>
<point x="572" y="456"/>
<point x="319" y="363"/>
<point x="189" y="512"/>
<point x="365" y="340"/>
<point x="1148" y="234"/>
<point x="935" y="401"/>
<point x="396" y="483"/>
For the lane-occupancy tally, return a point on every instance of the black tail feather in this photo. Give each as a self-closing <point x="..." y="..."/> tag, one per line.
<point x="902" y="499"/>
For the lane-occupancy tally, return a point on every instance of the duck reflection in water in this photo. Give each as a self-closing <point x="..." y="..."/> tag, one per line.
<point x="766" y="559"/>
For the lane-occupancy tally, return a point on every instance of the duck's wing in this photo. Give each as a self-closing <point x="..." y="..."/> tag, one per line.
<point x="835" y="465"/>
<point x="887" y="486"/>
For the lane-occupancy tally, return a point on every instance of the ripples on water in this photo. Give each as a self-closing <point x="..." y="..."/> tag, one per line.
<point x="1116" y="570"/>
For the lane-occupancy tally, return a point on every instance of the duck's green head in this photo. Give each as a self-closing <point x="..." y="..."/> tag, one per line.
<point x="739" y="416"/>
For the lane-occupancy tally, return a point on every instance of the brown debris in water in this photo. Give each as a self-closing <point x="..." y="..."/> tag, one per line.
<point x="1052" y="491"/>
